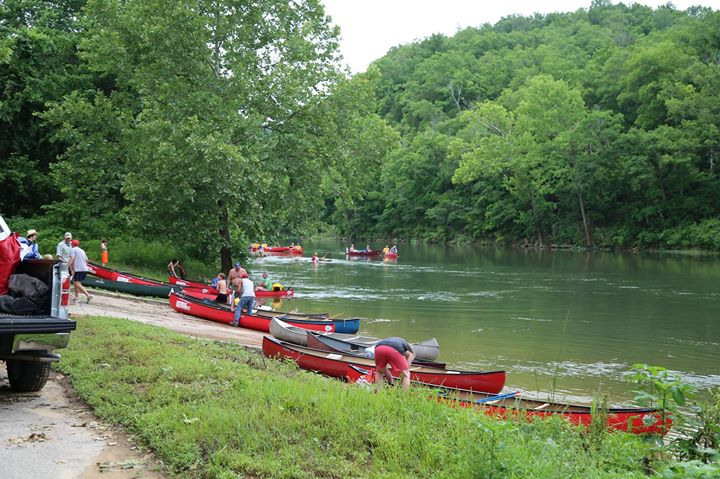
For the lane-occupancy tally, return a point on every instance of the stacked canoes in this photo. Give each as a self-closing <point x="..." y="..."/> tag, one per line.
<point x="350" y="343"/>
<point x="336" y="364"/>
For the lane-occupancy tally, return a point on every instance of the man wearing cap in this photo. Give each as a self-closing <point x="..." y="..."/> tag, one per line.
<point x="246" y="292"/>
<point x="29" y="245"/>
<point x="64" y="247"/>
<point x="235" y="275"/>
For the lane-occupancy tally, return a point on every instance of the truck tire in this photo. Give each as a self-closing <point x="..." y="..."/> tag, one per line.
<point x="27" y="376"/>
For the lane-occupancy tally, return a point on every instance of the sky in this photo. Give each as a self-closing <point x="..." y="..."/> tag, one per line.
<point x="369" y="28"/>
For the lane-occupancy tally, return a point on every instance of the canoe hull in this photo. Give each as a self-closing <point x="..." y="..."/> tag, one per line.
<point x="207" y="289"/>
<point x="363" y="253"/>
<point x="427" y="350"/>
<point x="346" y="326"/>
<point x="329" y="343"/>
<point x="206" y="310"/>
<point x="156" y="290"/>
<point x="335" y="364"/>
<point x="633" y="420"/>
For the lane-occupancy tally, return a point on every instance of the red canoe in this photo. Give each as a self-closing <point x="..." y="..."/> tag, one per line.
<point x="113" y="275"/>
<point x="364" y="253"/>
<point x="185" y="304"/>
<point x="336" y="365"/>
<point x="634" y="420"/>
<point x="207" y="289"/>
<point x="196" y="285"/>
<point x="391" y="255"/>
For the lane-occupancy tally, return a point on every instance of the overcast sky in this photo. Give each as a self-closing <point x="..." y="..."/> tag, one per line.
<point x="370" y="28"/>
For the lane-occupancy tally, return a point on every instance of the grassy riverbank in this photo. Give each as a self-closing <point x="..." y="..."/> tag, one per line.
<point x="218" y="411"/>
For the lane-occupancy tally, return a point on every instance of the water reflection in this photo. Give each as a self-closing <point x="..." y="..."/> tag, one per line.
<point x="569" y="321"/>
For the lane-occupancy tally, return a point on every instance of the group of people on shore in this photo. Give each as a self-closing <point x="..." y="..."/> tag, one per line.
<point x="68" y="251"/>
<point x="235" y="288"/>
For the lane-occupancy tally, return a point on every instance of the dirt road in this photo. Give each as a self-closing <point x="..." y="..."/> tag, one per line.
<point x="52" y="433"/>
<point x="156" y="311"/>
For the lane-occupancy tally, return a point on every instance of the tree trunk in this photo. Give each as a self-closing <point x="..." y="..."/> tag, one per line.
<point x="225" y="256"/>
<point x="581" y="202"/>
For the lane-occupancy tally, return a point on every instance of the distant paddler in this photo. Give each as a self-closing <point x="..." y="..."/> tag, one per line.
<point x="265" y="284"/>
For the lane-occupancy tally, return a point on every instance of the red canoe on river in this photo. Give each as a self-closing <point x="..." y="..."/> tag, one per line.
<point x="364" y="253"/>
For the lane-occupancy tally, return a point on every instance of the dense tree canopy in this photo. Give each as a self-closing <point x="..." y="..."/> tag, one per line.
<point x="214" y="122"/>
<point x="596" y="127"/>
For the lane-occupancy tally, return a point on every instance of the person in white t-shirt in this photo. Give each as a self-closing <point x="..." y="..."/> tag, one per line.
<point x="63" y="248"/>
<point x="79" y="269"/>
<point x="246" y="292"/>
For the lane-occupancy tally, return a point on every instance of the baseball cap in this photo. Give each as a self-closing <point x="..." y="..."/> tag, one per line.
<point x="68" y="235"/>
<point x="244" y="275"/>
<point x="237" y="265"/>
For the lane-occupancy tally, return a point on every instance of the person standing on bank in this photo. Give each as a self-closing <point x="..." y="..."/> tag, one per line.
<point x="63" y="248"/>
<point x="79" y="269"/>
<point x="175" y="269"/>
<point x="395" y="352"/>
<point x="235" y="275"/>
<point x="222" y="288"/>
<point x="104" y="256"/>
<point x="246" y="292"/>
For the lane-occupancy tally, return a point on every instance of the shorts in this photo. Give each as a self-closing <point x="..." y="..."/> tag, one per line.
<point x="104" y="257"/>
<point x="221" y="298"/>
<point x="80" y="276"/>
<point x="385" y="355"/>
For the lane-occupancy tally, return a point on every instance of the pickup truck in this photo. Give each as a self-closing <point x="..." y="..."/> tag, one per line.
<point x="27" y="342"/>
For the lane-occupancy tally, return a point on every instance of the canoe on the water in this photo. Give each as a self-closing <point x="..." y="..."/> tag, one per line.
<point x="391" y="255"/>
<point x="364" y="253"/>
<point x="206" y="288"/>
<point x="185" y="304"/>
<point x="336" y="365"/>
<point x="322" y="343"/>
<point x="325" y="343"/>
<point x="157" y="290"/>
<point x="508" y="405"/>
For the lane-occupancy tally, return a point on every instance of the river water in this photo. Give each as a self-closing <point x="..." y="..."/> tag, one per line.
<point x="562" y="324"/>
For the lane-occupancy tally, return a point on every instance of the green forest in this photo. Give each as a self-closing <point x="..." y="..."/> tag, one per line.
<point x="209" y="124"/>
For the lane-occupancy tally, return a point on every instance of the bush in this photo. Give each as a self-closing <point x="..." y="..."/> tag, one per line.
<point x="705" y="235"/>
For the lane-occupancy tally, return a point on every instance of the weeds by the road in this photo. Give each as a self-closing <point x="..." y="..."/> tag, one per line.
<point x="216" y="410"/>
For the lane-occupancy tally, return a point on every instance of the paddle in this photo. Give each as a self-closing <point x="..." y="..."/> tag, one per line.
<point x="514" y="394"/>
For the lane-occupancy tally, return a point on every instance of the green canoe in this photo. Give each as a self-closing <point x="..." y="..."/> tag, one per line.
<point x="160" y="291"/>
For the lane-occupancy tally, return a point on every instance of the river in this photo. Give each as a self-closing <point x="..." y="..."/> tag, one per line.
<point x="562" y="324"/>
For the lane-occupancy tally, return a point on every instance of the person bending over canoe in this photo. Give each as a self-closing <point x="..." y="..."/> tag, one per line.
<point x="395" y="352"/>
<point x="175" y="269"/>
<point x="246" y="292"/>
<point x="266" y="284"/>
<point x="235" y="275"/>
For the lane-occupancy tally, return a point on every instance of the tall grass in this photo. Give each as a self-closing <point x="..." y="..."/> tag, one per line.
<point x="215" y="410"/>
